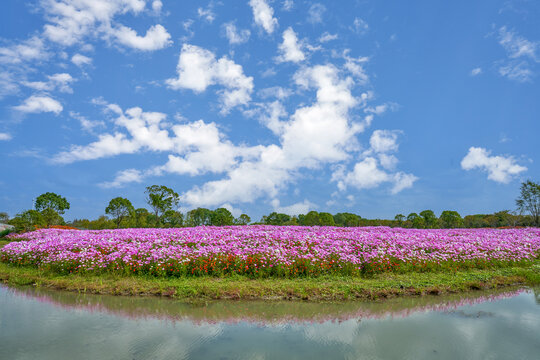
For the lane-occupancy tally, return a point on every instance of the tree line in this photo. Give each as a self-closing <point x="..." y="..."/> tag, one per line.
<point x="163" y="203"/>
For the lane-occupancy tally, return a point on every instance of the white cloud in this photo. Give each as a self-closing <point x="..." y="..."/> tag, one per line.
<point x="263" y="15"/>
<point x="315" y="13"/>
<point x="517" y="46"/>
<point x="39" y="104"/>
<point x="4" y="136"/>
<point x="290" y="48"/>
<point x="234" y="35"/>
<point x="519" y="71"/>
<point x="295" y="209"/>
<point x="288" y="5"/>
<point x="156" y="6"/>
<point x="59" y="81"/>
<point x="155" y="38"/>
<point x="29" y="50"/>
<point x="87" y="125"/>
<point x="198" y="69"/>
<point x="476" y="71"/>
<point x="124" y="177"/>
<point x="71" y="22"/>
<point x="326" y="36"/>
<point x="522" y="56"/>
<point x="499" y="168"/>
<point x="383" y="141"/>
<point x="81" y="60"/>
<point x="360" y="26"/>
<point x="402" y="181"/>
<point x="207" y="13"/>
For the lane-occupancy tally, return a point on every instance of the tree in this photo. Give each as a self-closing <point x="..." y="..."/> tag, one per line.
<point x="399" y="218"/>
<point x="139" y="217"/>
<point x="172" y="219"/>
<point x="242" y="220"/>
<point x="326" y="219"/>
<point x="276" y="219"/>
<point x="430" y="220"/>
<point x="311" y="219"/>
<point x="198" y="217"/>
<point x="221" y="217"/>
<point x="28" y="220"/>
<point x="161" y="198"/>
<point x="51" y="217"/>
<point x="52" y="201"/>
<point x="529" y="200"/>
<point x="416" y="221"/>
<point x="450" y="219"/>
<point x="4" y="217"/>
<point x="346" y="219"/>
<point x="119" y="208"/>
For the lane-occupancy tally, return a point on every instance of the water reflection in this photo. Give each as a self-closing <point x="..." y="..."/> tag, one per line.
<point x="40" y="324"/>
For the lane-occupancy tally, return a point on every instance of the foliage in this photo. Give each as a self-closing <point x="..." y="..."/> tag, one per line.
<point x="52" y="201"/>
<point x="430" y="220"/>
<point x="451" y="219"/>
<point x="199" y="216"/>
<point x="173" y="219"/>
<point x="326" y="219"/>
<point x="119" y="208"/>
<point x="221" y="217"/>
<point x="243" y="219"/>
<point x="4" y="217"/>
<point x="311" y="219"/>
<point x="28" y="220"/>
<point x="161" y="198"/>
<point x="346" y="219"/>
<point x="399" y="218"/>
<point x="276" y="219"/>
<point x="529" y="200"/>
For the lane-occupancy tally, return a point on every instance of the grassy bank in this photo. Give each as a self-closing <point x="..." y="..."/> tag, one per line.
<point x="327" y="288"/>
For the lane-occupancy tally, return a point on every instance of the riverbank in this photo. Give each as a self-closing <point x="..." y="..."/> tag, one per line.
<point x="325" y="288"/>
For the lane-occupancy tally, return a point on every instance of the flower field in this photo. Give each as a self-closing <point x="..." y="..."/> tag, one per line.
<point x="271" y="251"/>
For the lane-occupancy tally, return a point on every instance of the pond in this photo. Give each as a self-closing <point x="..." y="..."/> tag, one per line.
<point x="44" y="324"/>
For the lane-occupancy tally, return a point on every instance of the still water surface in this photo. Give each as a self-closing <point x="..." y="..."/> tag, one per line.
<point x="40" y="324"/>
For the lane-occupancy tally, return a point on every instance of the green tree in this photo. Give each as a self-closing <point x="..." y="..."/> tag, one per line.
<point x="172" y="219"/>
<point x="52" y="201"/>
<point x="399" y="218"/>
<point x="242" y="220"/>
<point x="4" y="217"/>
<point x="119" y="208"/>
<point x="326" y="219"/>
<point x="430" y="220"/>
<point x="450" y="219"/>
<point x="416" y="221"/>
<point x="529" y="200"/>
<point x="28" y="220"/>
<point x="311" y="219"/>
<point x="199" y="216"/>
<point x="276" y="219"/>
<point x="347" y="219"/>
<point x="161" y="198"/>
<point x="140" y="217"/>
<point x="51" y="217"/>
<point x="221" y="217"/>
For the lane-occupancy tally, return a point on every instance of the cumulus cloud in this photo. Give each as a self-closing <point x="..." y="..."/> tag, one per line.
<point x="207" y="13"/>
<point x="360" y="26"/>
<point x="39" y="104"/>
<point x="263" y="15"/>
<point x="4" y="136"/>
<point x="290" y="49"/>
<point x="59" y="81"/>
<point x="81" y="60"/>
<point x="71" y="22"/>
<point x="293" y="209"/>
<point x="124" y="177"/>
<point x="198" y="69"/>
<point x="32" y="49"/>
<point x="499" y="168"/>
<point x="288" y="5"/>
<point x="234" y="35"/>
<point x="155" y="38"/>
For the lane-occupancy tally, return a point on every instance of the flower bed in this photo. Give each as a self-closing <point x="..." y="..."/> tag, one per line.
<point x="271" y="251"/>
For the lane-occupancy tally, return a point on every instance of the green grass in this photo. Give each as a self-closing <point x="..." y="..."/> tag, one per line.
<point x="315" y="289"/>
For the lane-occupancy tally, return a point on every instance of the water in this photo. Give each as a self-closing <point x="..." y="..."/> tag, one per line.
<point x="39" y="324"/>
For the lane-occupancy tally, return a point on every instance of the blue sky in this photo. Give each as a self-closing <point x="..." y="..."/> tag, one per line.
<point x="371" y="107"/>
